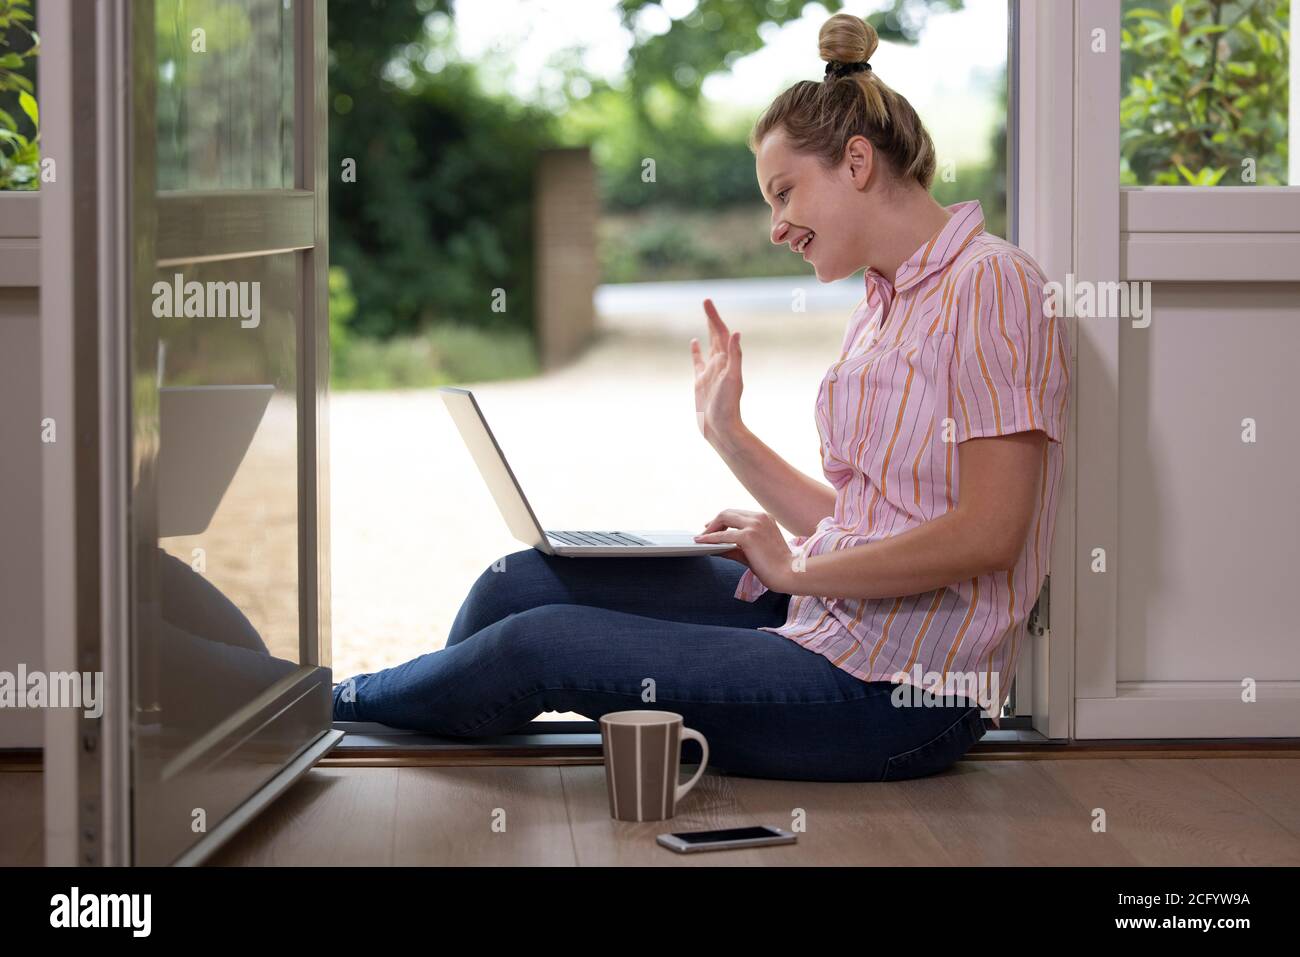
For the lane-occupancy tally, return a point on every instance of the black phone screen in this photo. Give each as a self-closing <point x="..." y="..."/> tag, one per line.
<point x="727" y="834"/>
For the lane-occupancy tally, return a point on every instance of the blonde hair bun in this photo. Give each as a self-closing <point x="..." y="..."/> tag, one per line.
<point x="820" y="116"/>
<point x="845" y="38"/>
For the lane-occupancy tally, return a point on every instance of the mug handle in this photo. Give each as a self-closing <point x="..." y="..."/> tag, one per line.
<point x="683" y="789"/>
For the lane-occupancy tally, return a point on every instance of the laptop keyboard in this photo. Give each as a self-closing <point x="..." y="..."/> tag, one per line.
<point x="597" y="538"/>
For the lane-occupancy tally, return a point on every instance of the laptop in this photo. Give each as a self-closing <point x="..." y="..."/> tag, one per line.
<point x="523" y="523"/>
<point x="204" y="432"/>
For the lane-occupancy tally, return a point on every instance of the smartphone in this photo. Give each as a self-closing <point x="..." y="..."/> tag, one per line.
<point x="685" y="842"/>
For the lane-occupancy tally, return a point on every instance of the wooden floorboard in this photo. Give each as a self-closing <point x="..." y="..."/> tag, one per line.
<point x="837" y="824"/>
<point x="1269" y="785"/>
<point x="1179" y="813"/>
<point x="22" y="819"/>
<point x="1212" y="811"/>
<point x="1011" y="813"/>
<point x="1184" y="812"/>
<point x="491" y="816"/>
<point x="600" y="840"/>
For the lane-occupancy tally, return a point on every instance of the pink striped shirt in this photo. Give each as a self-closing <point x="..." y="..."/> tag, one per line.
<point x="967" y="351"/>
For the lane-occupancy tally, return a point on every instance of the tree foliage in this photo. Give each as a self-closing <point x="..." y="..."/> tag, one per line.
<point x="1205" y="99"/>
<point x="657" y="111"/>
<point x="20" y="154"/>
<point x="719" y="32"/>
<point x="441" y="210"/>
<point x="440" y="213"/>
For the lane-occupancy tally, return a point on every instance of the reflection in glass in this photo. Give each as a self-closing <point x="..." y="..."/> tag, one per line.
<point x="225" y="94"/>
<point x="1205" y="92"/>
<point x="227" y="470"/>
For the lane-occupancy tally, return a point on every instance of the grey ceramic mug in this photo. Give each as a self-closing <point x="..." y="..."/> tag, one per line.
<point x="643" y="757"/>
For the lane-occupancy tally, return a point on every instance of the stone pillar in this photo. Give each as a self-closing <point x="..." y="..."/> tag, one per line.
<point x="566" y="206"/>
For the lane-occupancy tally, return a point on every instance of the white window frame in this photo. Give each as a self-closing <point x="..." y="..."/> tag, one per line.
<point x="1076" y="218"/>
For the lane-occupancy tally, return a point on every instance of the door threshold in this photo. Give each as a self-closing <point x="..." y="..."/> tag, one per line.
<point x="368" y="744"/>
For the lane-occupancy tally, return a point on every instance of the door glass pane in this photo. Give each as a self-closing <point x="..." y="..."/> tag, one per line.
<point x="226" y="688"/>
<point x="225" y="94"/>
<point x="227" y="482"/>
<point x="1206" y="93"/>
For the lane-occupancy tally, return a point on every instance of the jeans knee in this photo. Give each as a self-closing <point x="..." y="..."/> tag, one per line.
<point x="513" y="560"/>
<point x="497" y="575"/>
<point x="525" y="641"/>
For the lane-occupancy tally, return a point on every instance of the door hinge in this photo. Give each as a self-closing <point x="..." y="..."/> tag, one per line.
<point x="1040" y="615"/>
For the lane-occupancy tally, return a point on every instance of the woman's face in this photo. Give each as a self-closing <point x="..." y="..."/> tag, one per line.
<point x="826" y="209"/>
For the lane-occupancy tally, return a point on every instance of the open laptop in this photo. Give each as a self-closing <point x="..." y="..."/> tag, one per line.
<point x="204" y="432"/>
<point x="519" y="515"/>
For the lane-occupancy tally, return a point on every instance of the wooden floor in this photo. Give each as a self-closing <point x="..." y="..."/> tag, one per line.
<point x="1192" y="811"/>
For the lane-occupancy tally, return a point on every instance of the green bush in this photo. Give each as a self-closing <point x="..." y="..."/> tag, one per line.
<point x="1205" y="90"/>
<point x="20" y="155"/>
<point x="440" y="212"/>
<point x="442" y="355"/>
<point x="666" y="242"/>
<point x="343" y="305"/>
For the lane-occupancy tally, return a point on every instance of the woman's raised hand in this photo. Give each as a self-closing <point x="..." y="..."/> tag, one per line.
<point x="717" y="379"/>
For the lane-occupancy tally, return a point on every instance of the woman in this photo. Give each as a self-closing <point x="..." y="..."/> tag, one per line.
<point x="941" y="428"/>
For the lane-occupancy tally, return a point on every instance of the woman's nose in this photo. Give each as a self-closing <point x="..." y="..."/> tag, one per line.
<point x="779" y="231"/>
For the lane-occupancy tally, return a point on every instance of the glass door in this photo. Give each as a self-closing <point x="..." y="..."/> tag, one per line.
<point x="228" y="337"/>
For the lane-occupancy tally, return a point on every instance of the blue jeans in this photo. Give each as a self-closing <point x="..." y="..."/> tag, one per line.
<point x="541" y="633"/>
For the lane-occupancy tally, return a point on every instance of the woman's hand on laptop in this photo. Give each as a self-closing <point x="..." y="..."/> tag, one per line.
<point x="759" y="542"/>
<point x="717" y="379"/>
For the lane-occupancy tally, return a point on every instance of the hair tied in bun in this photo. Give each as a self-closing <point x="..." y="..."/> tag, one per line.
<point x="819" y="117"/>
<point x="836" y="68"/>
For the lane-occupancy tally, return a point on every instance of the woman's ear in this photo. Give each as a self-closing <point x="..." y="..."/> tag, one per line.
<point x="861" y="156"/>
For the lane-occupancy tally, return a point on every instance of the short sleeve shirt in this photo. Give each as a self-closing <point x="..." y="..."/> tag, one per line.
<point x="958" y="346"/>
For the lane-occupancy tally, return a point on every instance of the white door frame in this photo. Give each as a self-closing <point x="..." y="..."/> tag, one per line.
<point x="83" y="305"/>
<point x="1074" y="218"/>
<point x="1045" y="228"/>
